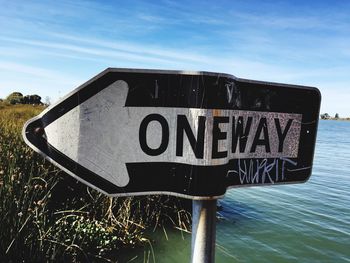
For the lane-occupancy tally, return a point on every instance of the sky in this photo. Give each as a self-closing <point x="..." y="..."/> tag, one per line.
<point x="51" y="47"/>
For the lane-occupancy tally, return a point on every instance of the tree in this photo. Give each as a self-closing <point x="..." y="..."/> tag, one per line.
<point x="36" y="99"/>
<point x="325" y="116"/>
<point x="336" y="116"/>
<point x="31" y="99"/>
<point x="15" y="98"/>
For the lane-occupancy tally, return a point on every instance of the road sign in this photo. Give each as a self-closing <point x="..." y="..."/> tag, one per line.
<point x="189" y="134"/>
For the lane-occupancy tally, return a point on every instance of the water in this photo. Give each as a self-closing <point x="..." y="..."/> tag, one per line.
<point x="290" y="223"/>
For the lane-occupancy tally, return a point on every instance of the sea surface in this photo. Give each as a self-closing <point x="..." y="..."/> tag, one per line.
<point x="307" y="222"/>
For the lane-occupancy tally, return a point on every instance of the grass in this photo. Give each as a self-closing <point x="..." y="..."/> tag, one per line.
<point x="45" y="215"/>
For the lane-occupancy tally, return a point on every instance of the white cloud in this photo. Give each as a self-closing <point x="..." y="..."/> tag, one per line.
<point x="34" y="71"/>
<point x="123" y="51"/>
<point x="34" y="80"/>
<point x="133" y="48"/>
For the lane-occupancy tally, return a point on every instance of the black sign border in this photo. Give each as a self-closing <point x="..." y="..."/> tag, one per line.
<point x="32" y="136"/>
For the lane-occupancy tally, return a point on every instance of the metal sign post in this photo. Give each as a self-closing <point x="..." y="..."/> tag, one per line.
<point x="203" y="231"/>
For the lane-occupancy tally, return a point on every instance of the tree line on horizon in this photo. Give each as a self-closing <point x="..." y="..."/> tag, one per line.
<point x="326" y="116"/>
<point x="18" y="98"/>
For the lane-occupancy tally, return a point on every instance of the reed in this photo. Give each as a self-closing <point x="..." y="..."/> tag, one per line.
<point x="46" y="215"/>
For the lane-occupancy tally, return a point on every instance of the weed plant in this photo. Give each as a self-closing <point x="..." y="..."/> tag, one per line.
<point x="46" y="215"/>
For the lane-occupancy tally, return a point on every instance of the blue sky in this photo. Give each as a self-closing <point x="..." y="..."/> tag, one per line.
<point x="51" y="47"/>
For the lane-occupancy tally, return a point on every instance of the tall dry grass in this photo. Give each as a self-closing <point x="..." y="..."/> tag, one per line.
<point x="45" y="215"/>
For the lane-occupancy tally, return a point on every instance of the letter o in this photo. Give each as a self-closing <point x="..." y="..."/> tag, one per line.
<point x="143" y="132"/>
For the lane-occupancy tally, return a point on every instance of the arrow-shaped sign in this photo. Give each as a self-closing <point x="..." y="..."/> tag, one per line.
<point x="128" y="132"/>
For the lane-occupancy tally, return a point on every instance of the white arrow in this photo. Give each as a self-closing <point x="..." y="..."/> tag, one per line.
<point x="102" y="134"/>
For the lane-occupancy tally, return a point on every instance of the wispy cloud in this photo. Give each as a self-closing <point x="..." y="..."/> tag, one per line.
<point x="273" y="21"/>
<point x="9" y="66"/>
<point x="80" y="47"/>
<point x="86" y="50"/>
<point x="101" y="50"/>
<point x="38" y="72"/>
<point x="35" y="80"/>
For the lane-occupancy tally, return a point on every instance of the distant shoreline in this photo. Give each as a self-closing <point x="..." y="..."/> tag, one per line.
<point x="336" y="119"/>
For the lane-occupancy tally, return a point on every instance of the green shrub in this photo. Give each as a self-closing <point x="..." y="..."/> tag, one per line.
<point x="46" y="215"/>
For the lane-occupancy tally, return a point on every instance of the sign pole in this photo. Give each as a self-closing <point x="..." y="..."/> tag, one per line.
<point x="203" y="231"/>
